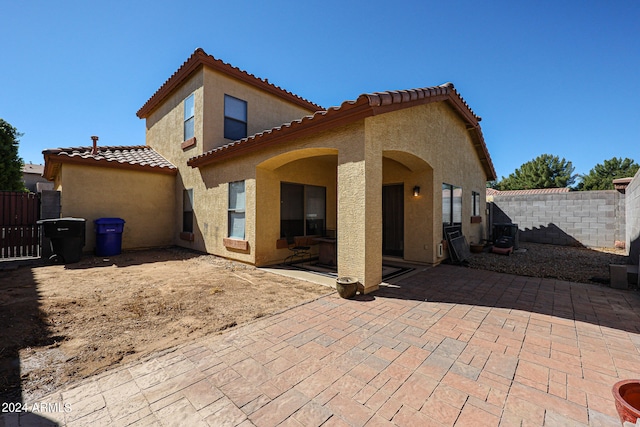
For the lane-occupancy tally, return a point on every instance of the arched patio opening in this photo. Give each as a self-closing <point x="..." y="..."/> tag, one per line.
<point x="407" y="207"/>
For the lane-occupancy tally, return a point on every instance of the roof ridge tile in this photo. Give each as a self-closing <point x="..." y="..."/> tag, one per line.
<point x="361" y="107"/>
<point x="131" y="155"/>
<point x="200" y="58"/>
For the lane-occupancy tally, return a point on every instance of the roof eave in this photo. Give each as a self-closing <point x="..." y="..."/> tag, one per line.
<point x="200" y="58"/>
<point x="365" y="106"/>
<point x="298" y="129"/>
<point x="53" y="158"/>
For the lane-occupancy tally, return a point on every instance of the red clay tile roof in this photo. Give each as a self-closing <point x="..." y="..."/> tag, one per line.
<point x="137" y="157"/>
<point x="365" y="105"/>
<point x="493" y="192"/>
<point x="200" y="58"/>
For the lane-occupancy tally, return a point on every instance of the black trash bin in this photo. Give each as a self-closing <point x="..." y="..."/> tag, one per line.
<point x="109" y="236"/>
<point x="67" y="237"/>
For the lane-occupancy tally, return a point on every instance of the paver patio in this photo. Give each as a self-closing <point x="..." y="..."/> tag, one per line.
<point x="446" y="346"/>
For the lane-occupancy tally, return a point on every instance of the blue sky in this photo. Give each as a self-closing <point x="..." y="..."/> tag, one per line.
<point x="561" y="78"/>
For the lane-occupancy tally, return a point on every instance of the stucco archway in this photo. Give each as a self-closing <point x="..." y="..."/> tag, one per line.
<point x="399" y="167"/>
<point x="310" y="168"/>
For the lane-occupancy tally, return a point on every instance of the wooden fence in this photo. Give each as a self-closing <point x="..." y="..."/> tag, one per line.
<point x="19" y="233"/>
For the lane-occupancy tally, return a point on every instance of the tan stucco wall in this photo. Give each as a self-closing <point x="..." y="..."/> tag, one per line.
<point x="435" y="134"/>
<point x="210" y="186"/>
<point x="143" y="199"/>
<point x="311" y="168"/>
<point x="264" y="110"/>
<point x="418" y="211"/>
<point x="426" y="146"/>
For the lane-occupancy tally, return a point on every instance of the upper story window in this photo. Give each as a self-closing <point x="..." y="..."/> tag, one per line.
<point x="189" y="118"/>
<point x="235" y="118"/>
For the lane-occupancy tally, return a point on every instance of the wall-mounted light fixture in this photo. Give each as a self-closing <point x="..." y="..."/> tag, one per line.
<point x="416" y="191"/>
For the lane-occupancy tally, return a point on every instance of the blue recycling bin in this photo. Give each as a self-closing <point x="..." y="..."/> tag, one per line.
<point x="108" y="236"/>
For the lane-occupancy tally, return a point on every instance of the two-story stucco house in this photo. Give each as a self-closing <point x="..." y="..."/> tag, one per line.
<point x="233" y="164"/>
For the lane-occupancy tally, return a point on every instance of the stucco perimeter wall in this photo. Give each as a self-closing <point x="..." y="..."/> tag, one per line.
<point x="633" y="219"/>
<point x="143" y="199"/>
<point x="589" y="218"/>
<point x="442" y="152"/>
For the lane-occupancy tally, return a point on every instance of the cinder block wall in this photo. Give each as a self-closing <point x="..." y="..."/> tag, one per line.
<point x="589" y="218"/>
<point x="633" y="219"/>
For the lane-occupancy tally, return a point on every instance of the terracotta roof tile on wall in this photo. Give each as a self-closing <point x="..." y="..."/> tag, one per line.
<point x="365" y="105"/>
<point x="138" y="157"/>
<point x="200" y="58"/>
<point x="492" y="192"/>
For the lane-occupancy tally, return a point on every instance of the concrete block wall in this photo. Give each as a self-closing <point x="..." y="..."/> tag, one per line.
<point x="633" y="219"/>
<point x="588" y="218"/>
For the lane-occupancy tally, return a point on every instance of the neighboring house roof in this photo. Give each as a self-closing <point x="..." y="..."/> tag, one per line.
<point x="34" y="169"/>
<point x="365" y="105"/>
<point x="200" y="58"/>
<point x="139" y="157"/>
<point x="493" y="192"/>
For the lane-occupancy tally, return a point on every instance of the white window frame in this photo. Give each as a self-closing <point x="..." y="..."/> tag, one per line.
<point x="236" y="211"/>
<point x="451" y="193"/>
<point x="189" y="117"/>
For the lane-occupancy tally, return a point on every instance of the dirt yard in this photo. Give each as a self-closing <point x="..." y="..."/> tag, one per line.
<point x="60" y="324"/>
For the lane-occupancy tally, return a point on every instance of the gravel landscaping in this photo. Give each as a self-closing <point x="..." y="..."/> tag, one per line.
<point x="574" y="264"/>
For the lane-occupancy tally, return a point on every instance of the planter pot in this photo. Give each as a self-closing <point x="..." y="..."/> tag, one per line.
<point x="476" y="249"/>
<point x="627" y="397"/>
<point x="347" y="286"/>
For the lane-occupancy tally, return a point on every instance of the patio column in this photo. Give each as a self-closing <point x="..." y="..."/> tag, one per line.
<point x="360" y="213"/>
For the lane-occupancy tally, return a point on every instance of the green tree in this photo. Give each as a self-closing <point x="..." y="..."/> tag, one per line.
<point x="10" y="163"/>
<point x="602" y="175"/>
<point x="545" y="171"/>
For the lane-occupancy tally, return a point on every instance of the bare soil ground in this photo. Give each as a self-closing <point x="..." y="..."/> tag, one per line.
<point x="64" y="323"/>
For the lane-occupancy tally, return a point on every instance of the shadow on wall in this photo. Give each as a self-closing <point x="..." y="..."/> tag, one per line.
<point x="634" y="251"/>
<point x="551" y="234"/>
<point x="498" y="215"/>
<point x="24" y="325"/>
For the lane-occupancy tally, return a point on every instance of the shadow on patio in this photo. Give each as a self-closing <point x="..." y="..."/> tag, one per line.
<point x="594" y="304"/>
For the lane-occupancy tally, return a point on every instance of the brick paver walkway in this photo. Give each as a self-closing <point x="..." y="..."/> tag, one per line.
<point x="448" y="346"/>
